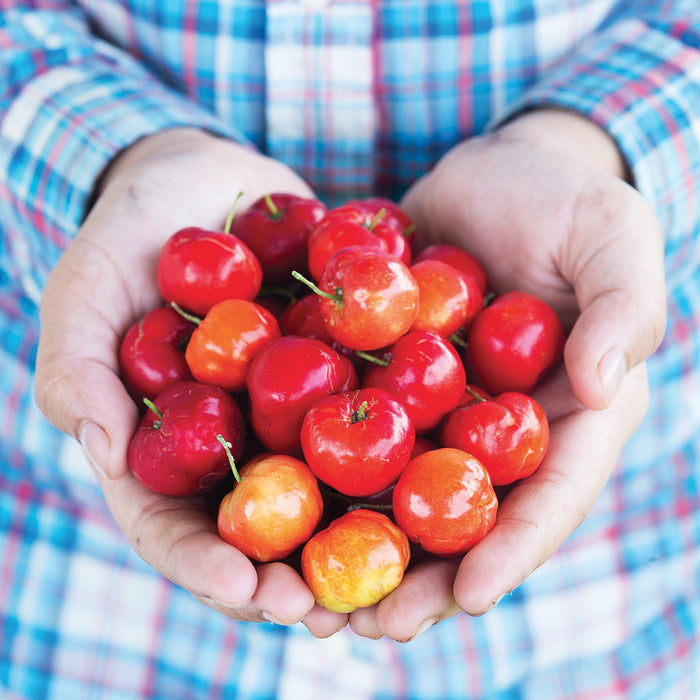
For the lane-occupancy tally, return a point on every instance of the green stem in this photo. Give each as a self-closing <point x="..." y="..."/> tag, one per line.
<point x="488" y="298"/>
<point x="379" y="507"/>
<point x="227" y="448"/>
<point x="376" y="218"/>
<point x="458" y="340"/>
<point x="475" y="394"/>
<point x="275" y="212"/>
<point x="371" y="358"/>
<point x="337" y="297"/>
<point x="360" y="414"/>
<point x="231" y="214"/>
<point x="155" y="410"/>
<point x="185" y="314"/>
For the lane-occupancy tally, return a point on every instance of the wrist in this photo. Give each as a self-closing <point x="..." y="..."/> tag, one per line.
<point x="576" y="133"/>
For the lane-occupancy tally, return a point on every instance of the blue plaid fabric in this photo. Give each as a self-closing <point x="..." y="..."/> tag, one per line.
<point x="360" y="98"/>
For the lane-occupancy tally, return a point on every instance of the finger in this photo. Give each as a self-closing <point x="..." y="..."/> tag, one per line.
<point x="363" y="623"/>
<point x="281" y="597"/>
<point x="424" y="597"/>
<point x="615" y="263"/>
<point x="538" y="515"/>
<point x="178" y="538"/>
<point x="323" y="623"/>
<point x="77" y="382"/>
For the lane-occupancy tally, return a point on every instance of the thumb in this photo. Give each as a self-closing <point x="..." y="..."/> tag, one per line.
<point x="615" y="262"/>
<point x="77" y="384"/>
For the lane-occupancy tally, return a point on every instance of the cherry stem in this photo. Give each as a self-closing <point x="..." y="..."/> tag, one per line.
<point x="351" y="504"/>
<point x="360" y="414"/>
<point x="186" y="315"/>
<point x="232" y="212"/>
<point x="227" y="448"/>
<point x="475" y="394"/>
<point x="371" y="358"/>
<point x="376" y="219"/>
<point x="155" y="410"/>
<point x="275" y="212"/>
<point x="337" y="297"/>
<point x="458" y="340"/>
<point x="379" y="507"/>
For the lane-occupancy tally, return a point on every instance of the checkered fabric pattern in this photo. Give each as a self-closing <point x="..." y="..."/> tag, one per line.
<point x="360" y="97"/>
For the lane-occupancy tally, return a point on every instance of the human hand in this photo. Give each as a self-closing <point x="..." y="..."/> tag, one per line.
<point x="103" y="282"/>
<point x="542" y="204"/>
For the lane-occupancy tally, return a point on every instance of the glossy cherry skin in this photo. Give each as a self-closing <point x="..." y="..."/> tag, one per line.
<point x="375" y="298"/>
<point x="276" y="228"/>
<point x="178" y="454"/>
<point x="444" y="502"/>
<point x="273" y="510"/>
<point x="152" y="352"/>
<point x="448" y="299"/>
<point x="386" y="220"/>
<point x="285" y="379"/>
<point x="336" y="232"/>
<point x="357" y="442"/>
<point x="356" y="561"/>
<point x="226" y="341"/>
<point x="425" y="373"/>
<point x="459" y="258"/>
<point x="513" y="343"/>
<point x="508" y="434"/>
<point x="394" y="217"/>
<point x="197" y="268"/>
<point x="303" y="317"/>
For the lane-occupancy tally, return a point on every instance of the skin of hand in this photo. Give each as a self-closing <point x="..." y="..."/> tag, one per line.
<point x="103" y="282"/>
<point x="544" y="205"/>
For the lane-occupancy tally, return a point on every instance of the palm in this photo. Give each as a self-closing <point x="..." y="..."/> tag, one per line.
<point x="541" y="218"/>
<point x="103" y="283"/>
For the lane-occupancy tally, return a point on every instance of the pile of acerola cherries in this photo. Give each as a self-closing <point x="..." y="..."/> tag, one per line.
<point x="344" y="402"/>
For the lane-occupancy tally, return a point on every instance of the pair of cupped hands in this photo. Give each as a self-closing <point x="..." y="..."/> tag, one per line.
<point x="542" y="202"/>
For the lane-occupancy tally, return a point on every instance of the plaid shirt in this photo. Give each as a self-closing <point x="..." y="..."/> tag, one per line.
<point x="360" y="98"/>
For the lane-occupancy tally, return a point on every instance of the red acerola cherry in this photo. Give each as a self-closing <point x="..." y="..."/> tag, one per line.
<point x="457" y="257"/>
<point x="513" y="343"/>
<point x="444" y="501"/>
<point x="449" y="299"/>
<point x="276" y="228"/>
<point x="285" y="379"/>
<point x="197" y="268"/>
<point x="425" y="373"/>
<point x="152" y="352"/>
<point x="175" y="450"/>
<point x="274" y="508"/>
<point x="340" y="228"/>
<point x="356" y="561"/>
<point x="508" y="434"/>
<point x="357" y="442"/>
<point x="226" y="341"/>
<point x="369" y="298"/>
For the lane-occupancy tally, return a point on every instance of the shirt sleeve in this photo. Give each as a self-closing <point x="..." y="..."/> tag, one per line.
<point x="69" y="103"/>
<point x="639" y="78"/>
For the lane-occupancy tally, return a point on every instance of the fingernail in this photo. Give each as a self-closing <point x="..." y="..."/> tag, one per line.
<point x="424" y="626"/>
<point x="272" y="620"/>
<point x="611" y="371"/>
<point x="95" y="444"/>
